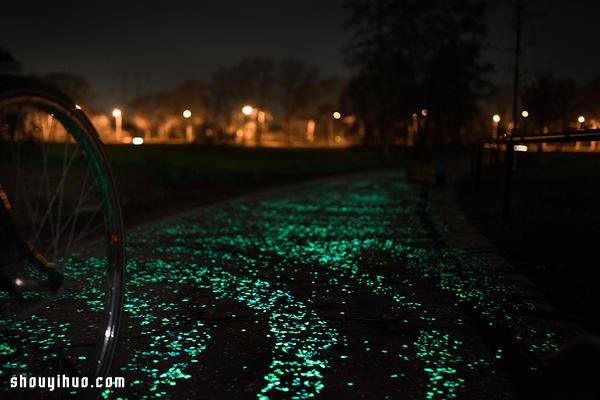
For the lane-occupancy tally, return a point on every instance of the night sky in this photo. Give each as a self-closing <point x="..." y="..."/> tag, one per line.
<point x="561" y="35"/>
<point x="139" y="48"/>
<point x="156" y="45"/>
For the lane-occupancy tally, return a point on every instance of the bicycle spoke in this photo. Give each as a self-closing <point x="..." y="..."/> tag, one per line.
<point x="86" y="191"/>
<point x="51" y="201"/>
<point x="43" y="184"/>
<point x="50" y="168"/>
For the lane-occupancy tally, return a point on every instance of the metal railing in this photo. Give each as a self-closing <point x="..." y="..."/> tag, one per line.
<point x="508" y="144"/>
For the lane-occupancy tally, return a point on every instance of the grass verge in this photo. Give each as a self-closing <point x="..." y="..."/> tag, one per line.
<point x="554" y="226"/>
<point x="158" y="180"/>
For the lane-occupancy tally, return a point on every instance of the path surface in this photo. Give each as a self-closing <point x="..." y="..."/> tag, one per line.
<point x="356" y="287"/>
<point x="362" y="287"/>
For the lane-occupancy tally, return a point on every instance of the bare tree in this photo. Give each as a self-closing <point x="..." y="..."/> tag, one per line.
<point x="416" y="57"/>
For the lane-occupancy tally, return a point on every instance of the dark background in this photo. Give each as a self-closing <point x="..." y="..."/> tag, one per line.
<point x="154" y="47"/>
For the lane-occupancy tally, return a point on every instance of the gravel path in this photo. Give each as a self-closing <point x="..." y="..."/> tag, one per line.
<point x="366" y="286"/>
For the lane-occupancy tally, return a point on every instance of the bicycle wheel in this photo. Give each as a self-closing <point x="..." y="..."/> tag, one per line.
<point x="61" y="242"/>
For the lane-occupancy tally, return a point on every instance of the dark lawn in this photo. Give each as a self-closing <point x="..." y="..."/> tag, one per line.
<point x="156" y="180"/>
<point x="553" y="235"/>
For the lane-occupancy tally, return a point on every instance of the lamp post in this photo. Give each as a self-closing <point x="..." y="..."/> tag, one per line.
<point x="189" y="133"/>
<point x="247" y="110"/>
<point x="580" y="121"/>
<point x="524" y="114"/>
<point x="118" y="124"/>
<point x="337" y="138"/>
<point x="259" y="118"/>
<point x="496" y="120"/>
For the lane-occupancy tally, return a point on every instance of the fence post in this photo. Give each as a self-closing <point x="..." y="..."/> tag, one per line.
<point x="508" y="167"/>
<point x="478" y="163"/>
<point x="472" y="159"/>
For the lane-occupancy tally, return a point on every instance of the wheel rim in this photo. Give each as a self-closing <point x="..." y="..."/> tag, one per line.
<point x="58" y="195"/>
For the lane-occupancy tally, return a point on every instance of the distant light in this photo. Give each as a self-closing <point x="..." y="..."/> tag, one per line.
<point x="137" y="140"/>
<point x="581" y="119"/>
<point x="116" y="113"/>
<point x="424" y="112"/>
<point x="496" y="118"/>
<point x="187" y="114"/>
<point x="337" y="139"/>
<point x="247" y="110"/>
<point x="525" y="113"/>
<point x="337" y="115"/>
<point x="519" y="147"/>
<point x="77" y="107"/>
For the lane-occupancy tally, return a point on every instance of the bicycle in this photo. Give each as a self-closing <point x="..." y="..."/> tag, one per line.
<point x="62" y="251"/>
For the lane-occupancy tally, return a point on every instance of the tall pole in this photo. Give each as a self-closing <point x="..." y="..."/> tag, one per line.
<point x="118" y="124"/>
<point x="509" y="155"/>
<point x="384" y="135"/>
<point x="518" y="17"/>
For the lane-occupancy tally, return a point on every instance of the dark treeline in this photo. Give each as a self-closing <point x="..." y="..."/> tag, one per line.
<point x="555" y="103"/>
<point x="416" y="59"/>
<point x="286" y="90"/>
<point x="418" y="78"/>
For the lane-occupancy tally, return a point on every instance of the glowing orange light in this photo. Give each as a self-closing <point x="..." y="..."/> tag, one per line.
<point x="337" y="115"/>
<point x="187" y="114"/>
<point x="424" y="112"/>
<point x="581" y="119"/>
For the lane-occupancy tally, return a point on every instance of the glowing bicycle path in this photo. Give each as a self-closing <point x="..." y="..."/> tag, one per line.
<point x="331" y="290"/>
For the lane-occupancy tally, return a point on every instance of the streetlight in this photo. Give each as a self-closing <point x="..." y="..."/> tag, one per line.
<point x="580" y="121"/>
<point x="496" y="119"/>
<point x="189" y="134"/>
<point x="331" y="128"/>
<point x="524" y="114"/>
<point x="258" y="116"/>
<point x="118" y="123"/>
<point x="247" y="110"/>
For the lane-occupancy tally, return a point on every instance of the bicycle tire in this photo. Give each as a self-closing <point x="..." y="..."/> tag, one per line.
<point x="76" y="238"/>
